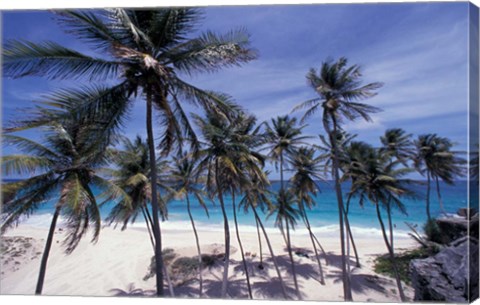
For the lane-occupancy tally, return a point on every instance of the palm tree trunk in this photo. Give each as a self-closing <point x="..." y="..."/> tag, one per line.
<point x="281" y="189"/>
<point x="440" y="201"/>
<point x="148" y="221"/>
<point x="155" y="209"/>
<point x="294" y="274"/>
<point x="281" y="170"/>
<point x="259" y="244"/>
<point x="46" y="252"/>
<point x="198" y="248"/>
<point x="274" y="259"/>
<point x="321" y="248"/>
<point x="390" y="223"/>
<point x="150" y="234"/>
<point x="227" y="235"/>
<point x="392" y="255"/>
<point x="350" y="235"/>
<point x="317" y="256"/>
<point x="282" y="231"/>
<point x="428" y="196"/>
<point x="241" y="246"/>
<point x="347" y="291"/>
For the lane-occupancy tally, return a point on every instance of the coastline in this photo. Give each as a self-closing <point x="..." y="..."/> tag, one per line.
<point x="117" y="264"/>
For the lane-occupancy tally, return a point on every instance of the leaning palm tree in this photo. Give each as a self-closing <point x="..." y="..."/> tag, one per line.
<point x="61" y="168"/>
<point x="376" y="179"/>
<point x="339" y="88"/>
<point x="306" y="168"/>
<point x="185" y="177"/>
<point x="435" y="159"/>
<point x="140" y="52"/>
<point x="131" y="173"/>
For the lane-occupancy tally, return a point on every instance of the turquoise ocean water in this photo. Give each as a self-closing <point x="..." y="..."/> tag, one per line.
<point x="323" y="216"/>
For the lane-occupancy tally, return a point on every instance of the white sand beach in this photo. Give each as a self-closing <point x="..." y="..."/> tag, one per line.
<point x="118" y="263"/>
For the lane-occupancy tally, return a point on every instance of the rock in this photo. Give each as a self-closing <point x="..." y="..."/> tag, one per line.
<point x="466" y="212"/>
<point x="447" y="275"/>
<point x="455" y="228"/>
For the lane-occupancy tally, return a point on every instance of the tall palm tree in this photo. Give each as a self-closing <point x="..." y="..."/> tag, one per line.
<point x="131" y="174"/>
<point x="376" y="179"/>
<point x="397" y="145"/>
<point x="139" y="50"/>
<point x="435" y="159"/>
<point x="339" y="88"/>
<point x="185" y="178"/>
<point x="61" y="168"/>
<point x="250" y="162"/>
<point x="306" y="168"/>
<point x="283" y="135"/>
<point x="343" y="140"/>
<point x="220" y="156"/>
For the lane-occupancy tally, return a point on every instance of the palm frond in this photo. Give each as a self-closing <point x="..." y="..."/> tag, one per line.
<point x="53" y="61"/>
<point x="211" y="52"/>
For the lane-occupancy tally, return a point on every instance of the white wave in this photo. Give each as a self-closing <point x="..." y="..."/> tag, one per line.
<point x="44" y="221"/>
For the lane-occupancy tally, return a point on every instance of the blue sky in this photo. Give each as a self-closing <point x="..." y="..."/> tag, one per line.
<point x="418" y="50"/>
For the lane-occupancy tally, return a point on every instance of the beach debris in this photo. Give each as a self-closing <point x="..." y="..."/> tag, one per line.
<point x="301" y="253"/>
<point x="17" y="250"/>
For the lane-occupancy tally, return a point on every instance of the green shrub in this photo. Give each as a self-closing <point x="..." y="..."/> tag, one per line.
<point x="383" y="264"/>
<point x="432" y="232"/>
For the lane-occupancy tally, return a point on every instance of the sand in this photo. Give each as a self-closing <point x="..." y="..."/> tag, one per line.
<point x="118" y="263"/>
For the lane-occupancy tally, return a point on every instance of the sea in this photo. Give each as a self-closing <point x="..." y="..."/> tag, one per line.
<point x="323" y="215"/>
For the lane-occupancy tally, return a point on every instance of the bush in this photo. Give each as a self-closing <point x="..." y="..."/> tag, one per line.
<point x="383" y="264"/>
<point x="433" y="232"/>
<point x="168" y="255"/>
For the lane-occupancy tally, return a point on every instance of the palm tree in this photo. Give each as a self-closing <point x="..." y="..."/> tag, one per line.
<point x="62" y="167"/>
<point x="220" y="157"/>
<point x="250" y="162"/>
<point x="306" y="168"/>
<point x="283" y="135"/>
<point x="339" y="88"/>
<point x="435" y="159"/>
<point x="343" y="139"/>
<point x="131" y="174"/>
<point x="397" y="145"/>
<point x="376" y="179"/>
<point x="185" y="177"/>
<point x="258" y="196"/>
<point x="286" y="213"/>
<point x="142" y="51"/>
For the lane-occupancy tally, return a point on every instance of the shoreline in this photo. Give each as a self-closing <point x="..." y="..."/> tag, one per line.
<point x="117" y="264"/>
